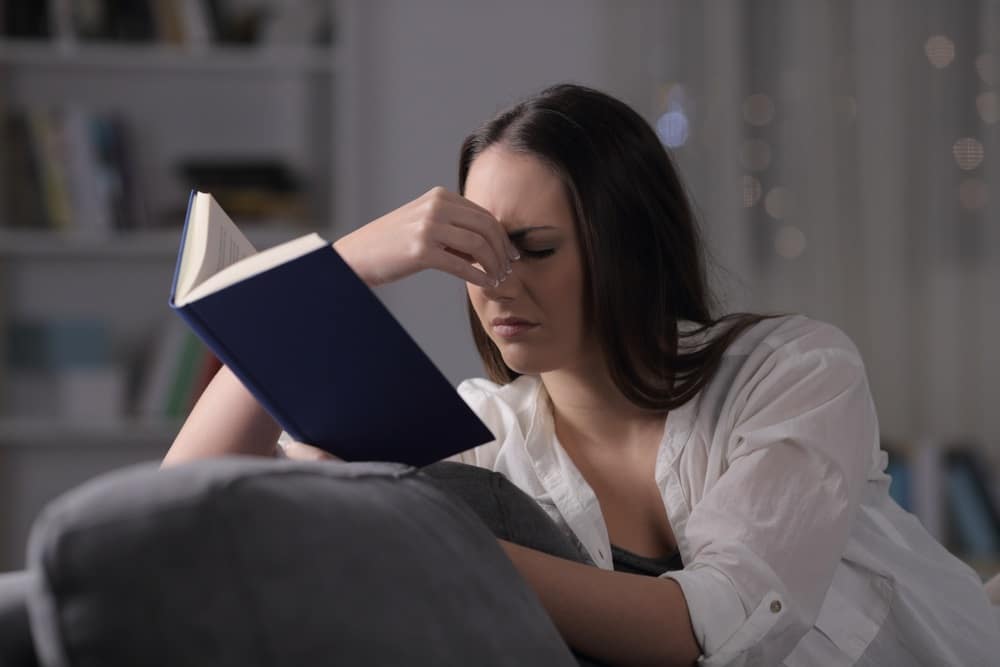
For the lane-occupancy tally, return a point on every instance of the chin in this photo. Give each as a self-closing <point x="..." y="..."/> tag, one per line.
<point x="524" y="364"/>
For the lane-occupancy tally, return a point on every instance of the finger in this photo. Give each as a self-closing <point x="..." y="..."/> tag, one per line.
<point x="511" y="250"/>
<point x="473" y="245"/>
<point x="445" y="260"/>
<point x="466" y="213"/>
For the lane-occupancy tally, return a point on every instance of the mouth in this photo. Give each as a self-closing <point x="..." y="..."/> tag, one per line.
<point x="510" y="327"/>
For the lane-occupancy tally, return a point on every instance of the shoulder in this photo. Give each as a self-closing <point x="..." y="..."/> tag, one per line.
<point x="789" y="367"/>
<point x="786" y="365"/>
<point x="792" y="336"/>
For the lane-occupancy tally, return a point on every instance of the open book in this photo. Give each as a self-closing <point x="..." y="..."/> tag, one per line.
<point x="315" y="345"/>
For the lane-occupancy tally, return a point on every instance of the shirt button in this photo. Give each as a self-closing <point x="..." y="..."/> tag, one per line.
<point x="600" y="552"/>
<point x="775" y="606"/>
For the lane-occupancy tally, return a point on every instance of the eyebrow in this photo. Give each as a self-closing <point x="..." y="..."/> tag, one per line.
<point x="521" y="232"/>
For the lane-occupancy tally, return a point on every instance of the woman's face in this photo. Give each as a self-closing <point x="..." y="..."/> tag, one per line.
<point x="545" y="289"/>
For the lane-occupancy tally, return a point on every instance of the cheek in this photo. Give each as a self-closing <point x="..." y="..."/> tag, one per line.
<point x="477" y="300"/>
<point x="563" y="292"/>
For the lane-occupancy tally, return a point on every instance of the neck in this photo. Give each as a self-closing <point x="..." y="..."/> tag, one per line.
<point x="591" y="414"/>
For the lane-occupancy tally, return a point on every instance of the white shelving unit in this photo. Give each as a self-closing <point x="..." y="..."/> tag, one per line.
<point x="296" y="103"/>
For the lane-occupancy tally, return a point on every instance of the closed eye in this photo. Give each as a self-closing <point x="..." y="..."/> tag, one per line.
<point x="537" y="254"/>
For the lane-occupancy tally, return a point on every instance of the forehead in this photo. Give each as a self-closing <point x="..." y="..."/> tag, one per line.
<point x="518" y="189"/>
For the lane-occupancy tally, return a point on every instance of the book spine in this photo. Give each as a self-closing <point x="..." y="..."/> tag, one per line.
<point x="201" y="327"/>
<point x="975" y="529"/>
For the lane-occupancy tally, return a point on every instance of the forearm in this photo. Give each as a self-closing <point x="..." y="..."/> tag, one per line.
<point x="619" y="618"/>
<point x="227" y="419"/>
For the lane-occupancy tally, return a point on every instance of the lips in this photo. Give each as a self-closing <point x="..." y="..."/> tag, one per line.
<point x="511" y="327"/>
<point x="511" y="321"/>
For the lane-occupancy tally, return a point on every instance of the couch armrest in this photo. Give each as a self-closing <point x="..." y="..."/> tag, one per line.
<point x="16" y="647"/>
<point x="243" y="561"/>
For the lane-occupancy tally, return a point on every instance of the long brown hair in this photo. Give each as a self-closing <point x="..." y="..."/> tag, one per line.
<point x="643" y="256"/>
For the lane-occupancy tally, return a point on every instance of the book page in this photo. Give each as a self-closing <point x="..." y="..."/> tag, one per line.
<point x="213" y="242"/>
<point x="258" y="263"/>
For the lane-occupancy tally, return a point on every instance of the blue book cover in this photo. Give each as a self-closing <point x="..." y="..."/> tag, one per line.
<point x="315" y="346"/>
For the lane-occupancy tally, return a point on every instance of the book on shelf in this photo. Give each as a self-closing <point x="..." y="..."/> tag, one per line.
<point x="175" y="22"/>
<point x="951" y="491"/>
<point x="63" y="367"/>
<point x="315" y="345"/>
<point x="70" y="170"/>
<point x="176" y="371"/>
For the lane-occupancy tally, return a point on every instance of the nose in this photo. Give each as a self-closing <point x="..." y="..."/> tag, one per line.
<point x="507" y="289"/>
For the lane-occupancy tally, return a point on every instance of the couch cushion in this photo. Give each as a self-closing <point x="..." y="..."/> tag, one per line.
<point x="243" y="561"/>
<point x="16" y="649"/>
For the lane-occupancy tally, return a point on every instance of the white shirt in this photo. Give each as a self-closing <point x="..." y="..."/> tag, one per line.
<point x="773" y="482"/>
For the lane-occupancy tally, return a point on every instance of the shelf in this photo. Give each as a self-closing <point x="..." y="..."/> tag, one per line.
<point x="41" y="431"/>
<point x="156" y="56"/>
<point x="158" y="243"/>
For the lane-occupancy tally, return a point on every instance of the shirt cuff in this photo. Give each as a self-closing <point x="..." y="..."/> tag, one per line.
<point x="714" y="606"/>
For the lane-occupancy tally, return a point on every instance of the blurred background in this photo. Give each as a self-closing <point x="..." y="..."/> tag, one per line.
<point x="842" y="156"/>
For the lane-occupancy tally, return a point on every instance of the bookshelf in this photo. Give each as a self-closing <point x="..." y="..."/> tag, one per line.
<point x="270" y="61"/>
<point x="282" y="99"/>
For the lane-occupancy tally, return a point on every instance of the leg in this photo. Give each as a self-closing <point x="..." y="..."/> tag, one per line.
<point x="508" y="512"/>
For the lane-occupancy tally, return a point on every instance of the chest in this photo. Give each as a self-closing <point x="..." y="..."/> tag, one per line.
<point x="631" y="505"/>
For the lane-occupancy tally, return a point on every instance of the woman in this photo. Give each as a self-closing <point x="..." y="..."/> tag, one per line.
<point x="735" y="459"/>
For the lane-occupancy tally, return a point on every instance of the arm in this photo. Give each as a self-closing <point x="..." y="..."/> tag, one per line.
<point x="438" y="230"/>
<point x="768" y="533"/>
<point x="227" y="419"/>
<point x="619" y="618"/>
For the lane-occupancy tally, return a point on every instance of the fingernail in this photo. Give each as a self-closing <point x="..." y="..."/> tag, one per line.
<point x="510" y="269"/>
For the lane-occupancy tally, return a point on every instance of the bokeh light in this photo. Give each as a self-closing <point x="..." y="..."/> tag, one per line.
<point x="940" y="51"/>
<point x="790" y="242"/>
<point x="968" y="153"/>
<point x="673" y="129"/>
<point x="779" y="203"/>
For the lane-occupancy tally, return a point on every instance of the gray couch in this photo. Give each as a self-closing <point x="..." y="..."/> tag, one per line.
<point x="245" y="562"/>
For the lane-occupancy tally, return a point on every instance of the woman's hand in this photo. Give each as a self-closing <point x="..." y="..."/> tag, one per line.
<point x="438" y="230"/>
<point x="300" y="451"/>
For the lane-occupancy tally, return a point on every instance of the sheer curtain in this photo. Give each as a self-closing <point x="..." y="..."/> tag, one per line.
<point x="843" y="156"/>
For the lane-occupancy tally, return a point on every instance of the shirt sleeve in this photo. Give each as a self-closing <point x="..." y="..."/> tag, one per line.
<point x="769" y="533"/>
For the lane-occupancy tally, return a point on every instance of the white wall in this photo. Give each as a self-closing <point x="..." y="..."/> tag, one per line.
<point x="434" y="70"/>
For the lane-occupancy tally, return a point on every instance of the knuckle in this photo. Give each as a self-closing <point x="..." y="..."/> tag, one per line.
<point x="433" y="208"/>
